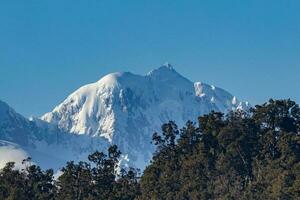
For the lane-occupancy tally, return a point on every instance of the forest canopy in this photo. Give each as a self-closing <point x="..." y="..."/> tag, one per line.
<point x="251" y="154"/>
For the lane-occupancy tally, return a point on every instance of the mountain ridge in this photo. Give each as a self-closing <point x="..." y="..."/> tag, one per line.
<point x="121" y="108"/>
<point x="126" y="108"/>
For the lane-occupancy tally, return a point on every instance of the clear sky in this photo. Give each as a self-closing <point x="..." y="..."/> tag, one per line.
<point x="49" y="48"/>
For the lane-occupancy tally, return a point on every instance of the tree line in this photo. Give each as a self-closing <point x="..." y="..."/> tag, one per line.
<point x="243" y="155"/>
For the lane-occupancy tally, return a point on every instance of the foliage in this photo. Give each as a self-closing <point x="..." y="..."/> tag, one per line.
<point x="243" y="155"/>
<point x="29" y="184"/>
<point x="254" y="155"/>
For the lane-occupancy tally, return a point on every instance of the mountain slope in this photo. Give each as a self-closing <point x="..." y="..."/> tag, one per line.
<point x="45" y="143"/>
<point x="13" y="126"/>
<point x="126" y="109"/>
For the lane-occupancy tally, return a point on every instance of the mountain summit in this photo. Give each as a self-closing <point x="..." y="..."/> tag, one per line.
<point x="126" y="109"/>
<point x="166" y="68"/>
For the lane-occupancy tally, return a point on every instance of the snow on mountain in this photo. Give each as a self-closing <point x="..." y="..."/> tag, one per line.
<point x="126" y="109"/>
<point x="10" y="152"/>
<point x="121" y="108"/>
<point x="45" y="143"/>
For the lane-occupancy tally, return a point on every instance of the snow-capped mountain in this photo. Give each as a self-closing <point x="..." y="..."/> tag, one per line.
<point x="126" y="109"/>
<point x="45" y="143"/>
<point x="13" y="127"/>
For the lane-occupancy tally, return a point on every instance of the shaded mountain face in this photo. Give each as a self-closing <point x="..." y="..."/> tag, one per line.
<point x="14" y="129"/>
<point x="45" y="143"/>
<point x="13" y="126"/>
<point x="126" y="109"/>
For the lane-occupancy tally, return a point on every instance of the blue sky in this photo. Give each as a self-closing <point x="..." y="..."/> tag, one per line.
<point x="49" y="48"/>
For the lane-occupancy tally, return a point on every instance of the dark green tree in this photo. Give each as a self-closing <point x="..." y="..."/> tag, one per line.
<point x="75" y="182"/>
<point x="242" y="155"/>
<point x="12" y="183"/>
<point x="30" y="183"/>
<point x="38" y="183"/>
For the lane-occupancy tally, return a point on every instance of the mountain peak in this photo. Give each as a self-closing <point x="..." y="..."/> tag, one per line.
<point x="164" y="70"/>
<point x="3" y="105"/>
<point x="125" y="109"/>
<point x="168" y="65"/>
<point x="5" y="110"/>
